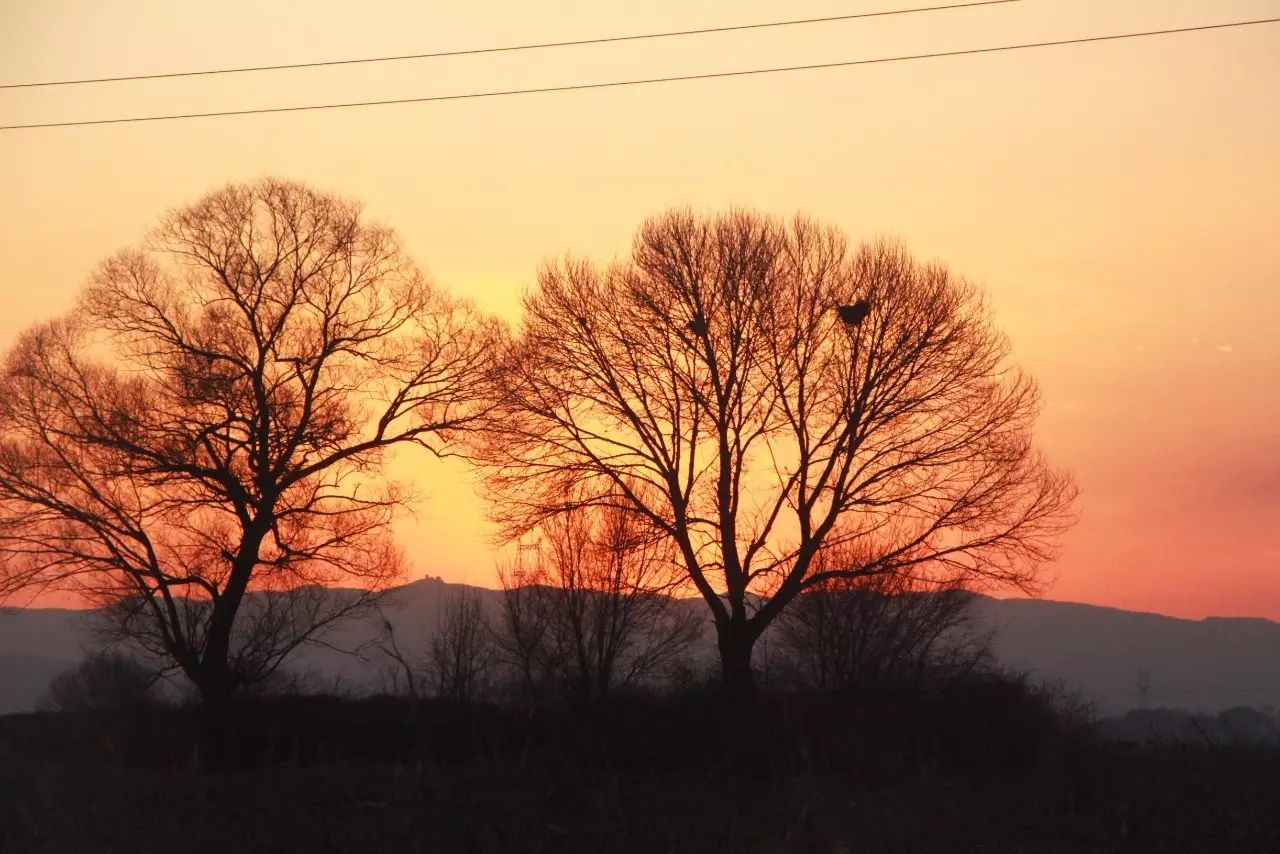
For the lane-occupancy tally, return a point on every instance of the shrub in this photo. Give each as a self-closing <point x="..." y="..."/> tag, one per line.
<point x="103" y="681"/>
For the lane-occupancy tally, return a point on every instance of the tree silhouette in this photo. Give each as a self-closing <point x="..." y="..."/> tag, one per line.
<point x="460" y="651"/>
<point x="102" y="681"/>
<point x="197" y="445"/>
<point x="592" y="613"/>
<point x="759" y="391"/>
<point x="879" y="631"/>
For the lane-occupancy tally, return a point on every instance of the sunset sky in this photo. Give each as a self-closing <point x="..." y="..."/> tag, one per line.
<point x="1120" y="202"/>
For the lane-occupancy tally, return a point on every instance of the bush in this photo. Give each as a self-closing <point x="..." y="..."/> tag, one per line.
<point x="881" y="633"/>
<point x="104" y="681"/>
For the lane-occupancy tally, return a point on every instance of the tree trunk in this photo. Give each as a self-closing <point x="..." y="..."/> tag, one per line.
<point x="217" y="737"/>
<point x="736" y="641"/>
<point x="217" y="647"/>
<point x="743" y="727"/>
<point x="220" y="744"/>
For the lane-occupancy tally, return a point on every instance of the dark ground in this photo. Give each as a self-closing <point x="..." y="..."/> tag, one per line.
<point x="984" y="769"/>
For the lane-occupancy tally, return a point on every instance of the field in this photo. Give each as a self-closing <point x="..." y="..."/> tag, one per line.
<point x="987" y="769"/>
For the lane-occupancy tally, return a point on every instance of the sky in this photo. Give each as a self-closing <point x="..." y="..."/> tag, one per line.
<point x="1119" y="203"/>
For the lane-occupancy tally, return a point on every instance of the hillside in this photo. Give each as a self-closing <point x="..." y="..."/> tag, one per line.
<point x="35" y="644"/>
<point x="1201" y="665"/>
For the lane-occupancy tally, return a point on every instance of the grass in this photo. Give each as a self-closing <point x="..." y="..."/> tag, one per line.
<point x="989" y="771"/>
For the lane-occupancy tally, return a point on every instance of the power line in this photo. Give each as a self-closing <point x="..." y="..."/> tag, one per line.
<point x="507" y="48"/>
<point x="618" y="83"/>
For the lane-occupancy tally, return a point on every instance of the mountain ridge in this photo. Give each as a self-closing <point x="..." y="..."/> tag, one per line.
<point x="1115" y="658"/>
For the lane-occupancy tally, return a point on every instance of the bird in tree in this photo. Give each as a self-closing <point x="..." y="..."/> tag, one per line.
<point x="853" y="315"/>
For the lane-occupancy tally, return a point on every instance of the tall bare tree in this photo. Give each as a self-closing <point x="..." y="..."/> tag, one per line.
<point x="198" y="444"/>
<point x="756" y="390"/>
<point x="593" y="612"/>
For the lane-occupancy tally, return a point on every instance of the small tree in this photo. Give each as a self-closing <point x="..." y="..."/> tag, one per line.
<point x="399" y="670"/>
<point x="594" y="612"/>
<point x="198" y="444"/>
<point x="521" y="633"/>
<point x="460" y="652"/>
<point x="457" y="660"/>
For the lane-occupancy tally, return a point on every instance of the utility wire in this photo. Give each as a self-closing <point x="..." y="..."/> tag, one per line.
<point x="508" y="48"/>
<point x="617" y="83"/>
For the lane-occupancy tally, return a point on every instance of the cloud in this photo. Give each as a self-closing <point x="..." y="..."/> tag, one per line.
<point x="1225" y="348"/>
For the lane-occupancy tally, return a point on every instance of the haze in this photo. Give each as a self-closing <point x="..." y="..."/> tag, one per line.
<point x="1118" y="201"/>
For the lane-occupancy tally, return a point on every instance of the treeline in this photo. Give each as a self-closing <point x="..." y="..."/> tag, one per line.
<point x="905" y="679"/>
<point x="573" y="636"/>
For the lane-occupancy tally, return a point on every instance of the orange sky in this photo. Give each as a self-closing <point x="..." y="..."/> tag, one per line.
<point x="1119" y="201"/>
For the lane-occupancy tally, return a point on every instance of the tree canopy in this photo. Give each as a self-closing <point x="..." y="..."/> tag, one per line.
<point x="762" y="392"/>
<point x="199" y="443"/>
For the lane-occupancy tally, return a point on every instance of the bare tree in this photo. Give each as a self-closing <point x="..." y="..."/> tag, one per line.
<point x="879" y="630"/>
<point x="456" y="661"/>
<point x="198" y="444"/>
<point x="756" y="390"/>
<point x="398" y="669"/>
<point x="522" y="627"/>
<point x="594" y="613"/>
<point x="460" y="652"/>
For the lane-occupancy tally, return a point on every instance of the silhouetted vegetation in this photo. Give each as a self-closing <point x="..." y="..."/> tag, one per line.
<point x="461" y="654"/>
<point x="104" y="681"/>
<point x="823" y="445"/>
<point x="198" y="444"/>
<point x="879" y="632"/>
<point x="973" y="761"/>
<point x="591" y="613"/>
<point x="912" y="741"/>
<point x="758" y="390"/>
<point x="458" y="660"/>
<point x="1232" y="728"/>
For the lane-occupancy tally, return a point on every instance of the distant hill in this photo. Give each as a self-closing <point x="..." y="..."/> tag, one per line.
<point x="1204" y="665"/>
<point x="1107" y="654"/>
<point x="35" y="644"/>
